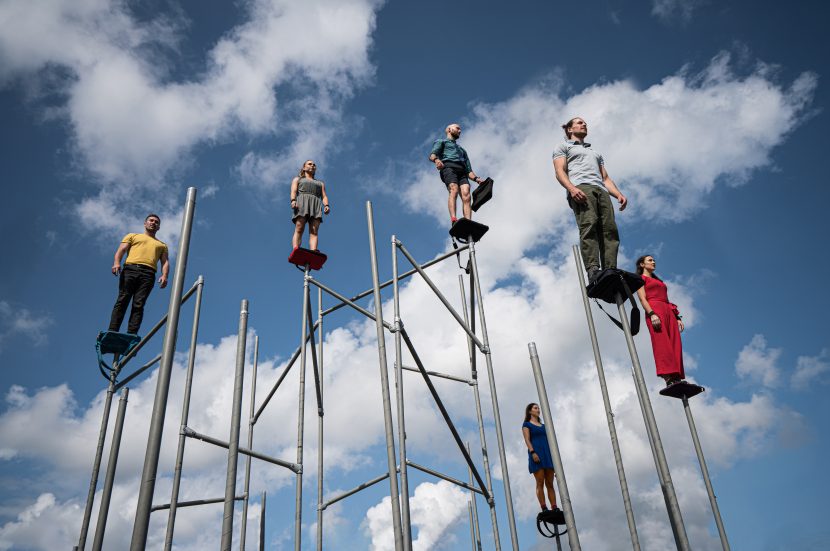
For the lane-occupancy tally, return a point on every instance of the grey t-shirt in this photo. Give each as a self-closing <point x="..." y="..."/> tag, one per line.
<point x="581" y="162"/>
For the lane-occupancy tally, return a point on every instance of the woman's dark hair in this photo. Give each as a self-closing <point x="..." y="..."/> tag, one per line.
<point x="527" y="410"/>
<point x="639" y="268"/>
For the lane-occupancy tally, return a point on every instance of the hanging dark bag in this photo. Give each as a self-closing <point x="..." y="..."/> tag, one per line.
<point x="612" y="282"/>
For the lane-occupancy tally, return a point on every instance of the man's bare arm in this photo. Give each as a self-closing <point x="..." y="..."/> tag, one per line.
<point x="165" y="270"/>
<point x="123" y="249"/>
<point x="612" y="188"/>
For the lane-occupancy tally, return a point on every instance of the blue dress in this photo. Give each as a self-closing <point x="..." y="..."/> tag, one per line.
<point x="539" y="441"/>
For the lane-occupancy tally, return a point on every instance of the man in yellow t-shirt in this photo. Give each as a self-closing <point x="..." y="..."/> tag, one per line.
<point x="137" y="277"/>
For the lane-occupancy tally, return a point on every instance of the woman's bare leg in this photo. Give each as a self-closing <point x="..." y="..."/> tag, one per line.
<point x="313" y="227"/>
<point x="549" y="485"/>
<point x="297" y="239"/>
<point x="540" y="487"/>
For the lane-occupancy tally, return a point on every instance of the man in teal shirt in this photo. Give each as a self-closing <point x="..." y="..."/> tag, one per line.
<point x="456" y="172"/>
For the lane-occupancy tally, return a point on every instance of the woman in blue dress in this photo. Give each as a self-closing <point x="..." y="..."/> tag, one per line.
<point x="539" y="459"/>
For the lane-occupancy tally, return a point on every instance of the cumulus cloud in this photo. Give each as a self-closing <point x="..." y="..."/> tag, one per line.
<point x="810" y="370"/>
<point x="681" y="10"/>
<point x="22" y="321"/>
<point x="759" y="363"/>
<point x="135" y="122"/>
<point x="434" y="508"/>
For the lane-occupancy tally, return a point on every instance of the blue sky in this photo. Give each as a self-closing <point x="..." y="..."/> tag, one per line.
<point x="711" y="118"/>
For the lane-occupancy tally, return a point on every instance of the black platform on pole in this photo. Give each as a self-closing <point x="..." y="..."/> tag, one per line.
<point x="465" y="229"/>
<point x="612" y="281"/>
<point x="682" y="389"/>
<point x="482" y="194"/>
<point x="302" y="257"/>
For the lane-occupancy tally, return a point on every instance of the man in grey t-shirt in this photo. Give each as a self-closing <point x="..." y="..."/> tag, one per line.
<point x="581" y="171"/>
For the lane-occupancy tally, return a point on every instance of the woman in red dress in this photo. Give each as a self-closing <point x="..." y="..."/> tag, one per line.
<point x="664" y="323"/>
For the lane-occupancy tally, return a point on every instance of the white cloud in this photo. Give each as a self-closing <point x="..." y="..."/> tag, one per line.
<point x="21" y="321"/>
<point x="135" y="125"/>
<point x="675" y="9"/>
<point x="434" y="508"/>
<point x="810" y="370"/>
<point x="757" y="362"/>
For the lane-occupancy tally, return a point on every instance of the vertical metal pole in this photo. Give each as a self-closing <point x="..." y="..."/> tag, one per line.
<point x="384" y="386"/>
<point x="561" y="481"/>
<point x="511" y="517"/>
<point x="236" y="419"/>
<point x="474" y="526"/>
<point x="606" y="402"/>
<point x="109" y="478"/>
<point x="672" y="506"/>
<point x="713" y="501"/>
<point x="246" y="492"/>
<point x="188" y="386"/>
<point x="406" y="526"/>
<point x="479" y="417"/>
<point x="320" y="423"/>
<point x="96" y="463"/>
<point x="262" y="525"/>
<point x="298" y="495"/>
<point x="151" y="456"/>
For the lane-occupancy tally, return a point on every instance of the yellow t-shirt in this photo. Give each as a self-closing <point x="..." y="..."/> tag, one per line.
<point x="144" y="250"/>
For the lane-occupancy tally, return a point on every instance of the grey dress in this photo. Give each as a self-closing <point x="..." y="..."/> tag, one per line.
<point x="309" y="199"/>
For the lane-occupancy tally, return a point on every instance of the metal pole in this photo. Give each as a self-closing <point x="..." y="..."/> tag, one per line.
<point x="262" y="525"/>
<point x="609" y="414"/>
<point x="236" y="418"/>
<point x="672" y="506"/>
<point x="474" y="526"/>
<point x="151" y="457"/>
<point x="96" y="463"/>
<point x="713" y="501"/>
<point x="188" y="386"/>
<point x="247" y="488"/>
<point x="406" y="524"/>
<point x="384" y="386"/>
<point x="561" y="482"/>
<point x="479" y="417"/>
<point x="298" y="494"/>
<point x="109" y="478"/>
<point x="320" y="424"/>
<point x="511" y="517"/>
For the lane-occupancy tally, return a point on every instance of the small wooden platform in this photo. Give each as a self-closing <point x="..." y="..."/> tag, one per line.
<point x="302" y="257"/>
<point x="464" y="230"/>
<point x="682" y="389"/>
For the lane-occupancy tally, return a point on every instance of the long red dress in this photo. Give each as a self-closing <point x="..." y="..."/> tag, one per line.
<point x="668" y="350"/>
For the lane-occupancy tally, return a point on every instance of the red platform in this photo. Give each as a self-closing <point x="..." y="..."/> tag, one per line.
<point x="302" y="257"/>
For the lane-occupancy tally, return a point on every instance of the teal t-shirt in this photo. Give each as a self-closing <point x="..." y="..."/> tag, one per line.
<point x="449" y="150"/>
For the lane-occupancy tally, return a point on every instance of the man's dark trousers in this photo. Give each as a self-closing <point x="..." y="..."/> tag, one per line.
<point x="599" y="239"/>
<point x="136" y="282"/>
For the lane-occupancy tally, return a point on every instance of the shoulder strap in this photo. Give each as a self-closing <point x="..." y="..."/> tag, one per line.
<point x="635" y="311"/>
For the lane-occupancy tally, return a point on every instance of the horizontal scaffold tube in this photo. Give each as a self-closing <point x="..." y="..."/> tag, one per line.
<point x="441" y="375"/>
<point x="445" y="477"/>
<point x="353" y="491"/>
<point x="194" y="502"/>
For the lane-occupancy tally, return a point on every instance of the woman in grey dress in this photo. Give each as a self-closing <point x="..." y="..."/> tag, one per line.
<point x="308" y="203"/>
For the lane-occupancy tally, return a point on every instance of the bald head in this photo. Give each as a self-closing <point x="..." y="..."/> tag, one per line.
<point x="453" y="130"/>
